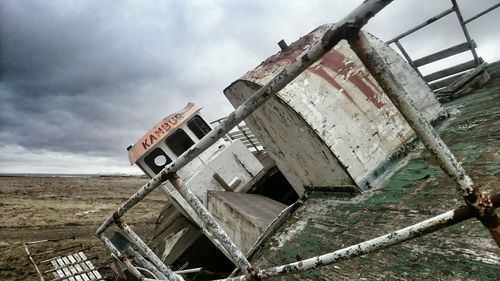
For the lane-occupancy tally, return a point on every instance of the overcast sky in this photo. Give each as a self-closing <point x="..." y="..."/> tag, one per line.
<point x="81" y="80"/>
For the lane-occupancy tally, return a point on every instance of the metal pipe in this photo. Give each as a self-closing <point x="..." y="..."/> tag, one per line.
<point x="344" y="29"/>
<point x="466" y="32"/>
<point x="189" y="270"/>
<point x="177" y="197"/>
<point x="136" y="240"/>
<point x="419" y="229"/>
<point x="427" y="22"/>
<point x="123" y="245"/>
<point x="482" y="13"/>
<point x="119" y="257"/>
<point x="424" y="130"/>
<point x="212" y="226"/>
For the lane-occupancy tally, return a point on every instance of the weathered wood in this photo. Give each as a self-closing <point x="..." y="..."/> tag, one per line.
<point x="457" y="49"/>
<point x="243" y="216"/>
<point x="424" y="24"/>
<point x="444" y="82"/>
<point x="450" y="71"/>
<point x="464" y="79"/>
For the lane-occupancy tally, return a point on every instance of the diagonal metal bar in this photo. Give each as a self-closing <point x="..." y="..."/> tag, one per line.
<point x="212" y="225"/>
<point x="136" y="240"/>
<point x="120" y="258"/>
<point x="427" y="134"/>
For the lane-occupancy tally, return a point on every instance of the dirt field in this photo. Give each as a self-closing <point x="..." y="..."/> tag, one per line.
<point x="37" y="208"/>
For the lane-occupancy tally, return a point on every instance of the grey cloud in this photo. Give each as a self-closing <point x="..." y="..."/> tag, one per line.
<point x="90" y="77"/>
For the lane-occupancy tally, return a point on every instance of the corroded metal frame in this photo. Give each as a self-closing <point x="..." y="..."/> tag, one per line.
<point x="477" y="204"/>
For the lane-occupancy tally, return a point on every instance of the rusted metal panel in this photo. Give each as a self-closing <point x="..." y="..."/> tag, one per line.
<point x="160" y="131"/>
<point x="340" y="125"/>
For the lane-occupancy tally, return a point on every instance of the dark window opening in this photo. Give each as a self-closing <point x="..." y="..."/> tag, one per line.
<point x="157" y="160"/>
<point x="204" y="254"/>
<point x="198" y="126"/>
<point x="179" y="142"/>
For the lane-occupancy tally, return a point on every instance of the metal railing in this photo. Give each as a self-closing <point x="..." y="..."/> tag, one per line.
<point x="244" y="134"/>
<point x="451" y="73"/>
<point x="477" y="205"/>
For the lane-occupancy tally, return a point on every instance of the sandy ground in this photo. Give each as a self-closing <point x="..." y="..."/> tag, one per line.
<point x="37" y="208"/>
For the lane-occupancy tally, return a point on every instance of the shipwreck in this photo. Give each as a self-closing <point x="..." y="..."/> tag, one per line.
<point x="330" y="154"/>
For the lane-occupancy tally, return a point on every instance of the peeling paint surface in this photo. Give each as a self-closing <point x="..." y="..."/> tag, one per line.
<point x="416" y="191"/>
<point x="337" y="102"/>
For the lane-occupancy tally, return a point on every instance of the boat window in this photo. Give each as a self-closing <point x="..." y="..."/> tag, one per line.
<point x="157" y="160"/>
<point x="179" y="142"/>
<point x="198" y="126"/>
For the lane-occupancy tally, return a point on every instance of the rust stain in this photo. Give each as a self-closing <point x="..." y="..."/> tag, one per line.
<point x="323" y="74"/>
<point x="335" y="61"/>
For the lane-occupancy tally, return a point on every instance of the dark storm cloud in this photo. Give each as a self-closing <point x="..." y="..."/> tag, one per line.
<point x="71" y="71"/>
<point x="90" y="77"/>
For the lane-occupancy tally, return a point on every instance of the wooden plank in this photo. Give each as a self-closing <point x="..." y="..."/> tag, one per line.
<point x="444" y="82"/>
<point x="451" y="51"/>
<point x="450" y="71"/>
<point x="464" y="79"/>
<point x="257" y="209"/>
<point x="426" y="23"/>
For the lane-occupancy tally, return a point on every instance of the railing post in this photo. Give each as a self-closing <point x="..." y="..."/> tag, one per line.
<point x="424" y="130"/>
<point x="407" y="57"/>
<point x="466" y="32"/>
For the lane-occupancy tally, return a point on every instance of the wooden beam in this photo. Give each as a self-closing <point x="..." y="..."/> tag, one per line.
<point x="457" y="49"/>
<point x="450" y="71"/>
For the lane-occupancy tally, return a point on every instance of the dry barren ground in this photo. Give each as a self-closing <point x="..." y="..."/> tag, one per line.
<point x="37" y="208"/>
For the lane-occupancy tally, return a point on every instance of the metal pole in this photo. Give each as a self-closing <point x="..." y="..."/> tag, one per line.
<point x="212" y="226"/>
<point x="466" y="32"/>
<point x="177" y="197"/>
<point x="424" y="130"/>
<point x="114" y="251"/>
<point x="136" y="240"/>
<point x="419" y="229"/>
<point x="345" y="28"/>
